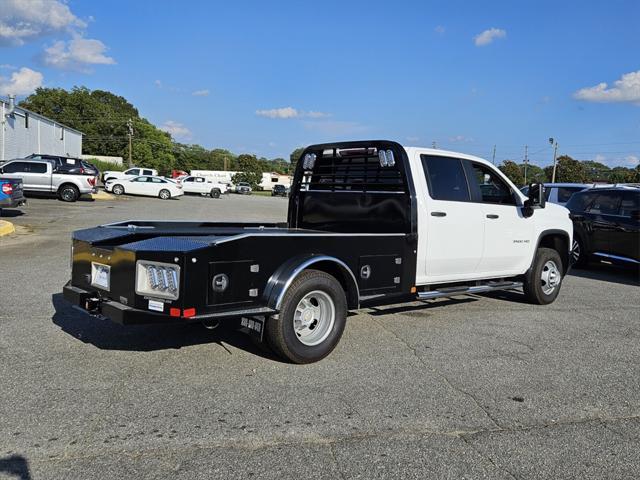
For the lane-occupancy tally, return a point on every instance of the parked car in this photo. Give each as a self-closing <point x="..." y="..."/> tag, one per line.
<point x="43" y="177"/>
<point x="560" y="193"/>
<point x="202" y="186"/>
<point x="11" y="195"/>
<point x="129" y="173"/>
<point x="606" y="224"/>
<point x="405" y="223"/>
<point x="279" y="191"/>
<point x="146" y="185"/>
<point x="65" y="164"/>
<point x="243" y="188"/>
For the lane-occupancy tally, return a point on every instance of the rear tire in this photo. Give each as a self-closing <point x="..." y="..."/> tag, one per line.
<point x="117" y="189"/>
<point x="311" y="320"/>
<point x="543" y="280"/>
<point x="69" y="193"/>
<point x="164" y="194"/>
<point x="215" y="193"/>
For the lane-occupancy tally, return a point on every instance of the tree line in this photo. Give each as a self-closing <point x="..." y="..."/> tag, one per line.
<point x="569" y="170"/>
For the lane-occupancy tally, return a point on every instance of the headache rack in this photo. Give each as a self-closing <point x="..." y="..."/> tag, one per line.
<point x="353" y="170"/>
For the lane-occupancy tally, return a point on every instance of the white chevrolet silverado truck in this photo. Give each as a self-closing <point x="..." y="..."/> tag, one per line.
<point x="369" y="222"/>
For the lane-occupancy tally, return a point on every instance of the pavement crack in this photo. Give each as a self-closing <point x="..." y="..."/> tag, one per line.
<point x="442" y="376"/>
<point x="332" y="451"/>
<point x="488" y="458"/>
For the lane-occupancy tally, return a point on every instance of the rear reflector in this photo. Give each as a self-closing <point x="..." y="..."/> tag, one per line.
<point x="189" y="312"/>
<point x="7" y="188"/>
<point x="174" y="312"/>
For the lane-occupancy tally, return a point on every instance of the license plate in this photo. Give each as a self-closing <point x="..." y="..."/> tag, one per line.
<point x="100" y="275"/>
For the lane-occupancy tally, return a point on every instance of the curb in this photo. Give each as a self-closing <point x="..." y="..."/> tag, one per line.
<point x="102" y="195"/>
<point x="6" y="228"/>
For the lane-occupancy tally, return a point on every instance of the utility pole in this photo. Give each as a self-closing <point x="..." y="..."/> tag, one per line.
<point x="433" y="145"/>
<point x="493" y="160"/>
<point x="130" y="126"/>
<point x="554" y="142"/>
<point x="526" y="162"/>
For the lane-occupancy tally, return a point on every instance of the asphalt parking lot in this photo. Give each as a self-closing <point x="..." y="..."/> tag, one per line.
<point x="474" y="387"/>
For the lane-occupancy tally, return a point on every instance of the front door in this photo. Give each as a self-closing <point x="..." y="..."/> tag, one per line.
<point x="454" y="233"/>
<point x="508" y="235"/>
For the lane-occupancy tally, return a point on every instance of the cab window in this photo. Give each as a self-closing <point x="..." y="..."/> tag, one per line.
<point x="564" y="193"/>
<point x="147" y="172"/>
<point x="38" y="168"/>
<point x="630" y="204"/>
<point x="16" y="167"/>
<point x="490" y="188"/>
<point x="132" y="171"/>
<point x="445" y="178"/>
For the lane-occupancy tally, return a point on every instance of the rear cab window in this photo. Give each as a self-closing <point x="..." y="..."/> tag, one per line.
<point x="606" y="203"/>
<point x="446" y="179"/>
<point x="630" y="204"/>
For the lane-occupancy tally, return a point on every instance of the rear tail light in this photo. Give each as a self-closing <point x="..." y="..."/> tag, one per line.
<point x="92" y="181"/>
<point x="158" y="279"/>
<point x="7" y="188"/>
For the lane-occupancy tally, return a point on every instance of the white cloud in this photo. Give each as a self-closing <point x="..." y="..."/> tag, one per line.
<point x="25" y="20"/>
<point x="201" y="93"/>
<point x="460" y="139"/>
<point x="22" y="82"/>
<point x="157" y="83"/>
<point x="77" y="54"/>
<point x="290" y="112"/>
<point x="284" y="112"/>
<point x="632" y="160"/>
<point x="627" y="89"/>
<point x="177" y="130"/>
<point x="488" y="36"/>
<point x="440" y="30"/>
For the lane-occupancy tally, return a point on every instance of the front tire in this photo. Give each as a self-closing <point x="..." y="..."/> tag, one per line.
<point x="69" y="193"/>
<point x="311" y="320"/>
<point x="578" y="253"/>
<point x="164" y="194"/>
<point x="117" y="189"/>
<point x="543" y="280"/>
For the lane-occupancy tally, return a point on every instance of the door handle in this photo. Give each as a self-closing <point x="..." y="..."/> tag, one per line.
<point x="438" y="214"/>
<point x="492" y="215"/>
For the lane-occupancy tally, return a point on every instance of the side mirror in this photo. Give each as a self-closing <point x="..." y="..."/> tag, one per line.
<point x="536" y="199"/>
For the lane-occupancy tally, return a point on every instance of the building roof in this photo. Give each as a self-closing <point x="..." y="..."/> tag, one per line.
<point x="31" y="113"/>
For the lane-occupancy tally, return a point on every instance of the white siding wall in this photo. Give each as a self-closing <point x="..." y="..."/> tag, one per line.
<point x="42" y="136"/>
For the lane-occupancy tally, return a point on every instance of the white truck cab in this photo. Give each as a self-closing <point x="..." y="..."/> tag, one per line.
<point x="129" y="173"/>
<point x="472" y="221"/>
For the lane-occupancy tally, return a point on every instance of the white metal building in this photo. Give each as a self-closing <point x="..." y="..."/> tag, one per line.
<point x="23" y="132"/>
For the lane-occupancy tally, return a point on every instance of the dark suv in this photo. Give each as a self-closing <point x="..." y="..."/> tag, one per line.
<point x="606" y="225"/>
<point x="75" y="166"/>
<point x="279" y="191"/>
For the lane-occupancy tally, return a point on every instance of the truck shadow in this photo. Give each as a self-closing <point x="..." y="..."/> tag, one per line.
<point x="10" y="213"/>
<point x="15" y="466"/>
<point x="107" y="335"/>
<point x="608" y="273"/>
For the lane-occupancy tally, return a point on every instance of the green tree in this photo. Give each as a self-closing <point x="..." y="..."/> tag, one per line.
<point x="513" y="172"/>
<point x="250" y="171"/>
<point x="567" y="170"/>
<point x="294" y="157"/>
<point x="596" y="171"/>
<point x="535" y="174"/>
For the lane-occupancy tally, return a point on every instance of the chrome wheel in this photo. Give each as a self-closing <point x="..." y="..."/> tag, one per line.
<point x="550" y="277"/>
<point x="314" y="318"/>
<point x="165" y="194"/>
<point x="117" y="189"/>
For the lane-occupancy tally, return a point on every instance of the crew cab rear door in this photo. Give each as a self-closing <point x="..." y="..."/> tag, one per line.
<point x="508" y="234"/>
<point x="451" y="230"/>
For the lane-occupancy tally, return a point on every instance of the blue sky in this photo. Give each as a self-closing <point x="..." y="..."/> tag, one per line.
<point x="266" y="77"/>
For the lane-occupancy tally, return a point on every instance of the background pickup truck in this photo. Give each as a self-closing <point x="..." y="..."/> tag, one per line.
<point x="11" y="193"/>
<point x="41" y="176"/>
<point x="203" y="186"/>
<point x="368" y="222"/>
<point x="129" y="173"/>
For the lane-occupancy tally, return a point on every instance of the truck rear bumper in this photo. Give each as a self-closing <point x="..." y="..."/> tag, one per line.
<point x="12" y="202"/>
<point x="126" y="315"/>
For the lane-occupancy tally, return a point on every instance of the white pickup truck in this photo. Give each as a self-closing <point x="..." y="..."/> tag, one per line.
<point x="203" y="186"/>
<point x="369" y="223"/>
<point x="129" y="173"/>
